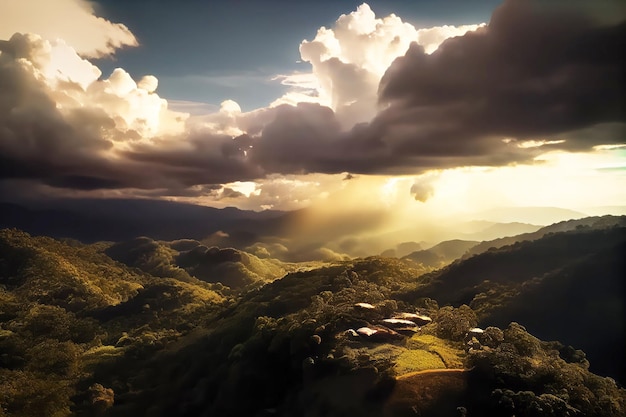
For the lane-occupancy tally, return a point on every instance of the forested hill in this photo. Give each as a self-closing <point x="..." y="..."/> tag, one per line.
<point x="82" y="334"/>
<point x="588" y="223"/>
<point x="565" y="286"/>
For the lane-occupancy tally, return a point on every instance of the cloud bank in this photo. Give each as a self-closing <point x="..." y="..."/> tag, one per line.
<point x="71" y="20"/>
<point x="382" y="98"/>
<point x="349" y="59"/>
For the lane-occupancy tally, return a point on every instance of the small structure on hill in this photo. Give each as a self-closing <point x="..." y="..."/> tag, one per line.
<point x="379" y="333"/>
<point x="401" y="325"/>
<point x="418" y="319"/>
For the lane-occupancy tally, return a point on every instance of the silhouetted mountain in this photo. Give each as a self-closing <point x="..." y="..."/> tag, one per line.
<point x="442" y="254"/>
<point x="91" y="220"/>
<point x="498" y="230"/>
<point x="601" y="222"/>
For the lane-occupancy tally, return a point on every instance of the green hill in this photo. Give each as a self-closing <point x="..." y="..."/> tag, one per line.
<point x="66" y="308"/>
<point x="84" y="335"/>
<point x="189" y="260"/>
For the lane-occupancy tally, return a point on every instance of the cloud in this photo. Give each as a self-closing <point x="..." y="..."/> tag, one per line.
<point x="71" y="20"/>
<point x="300" y="139"/>
<point x="226" y="120"/>
<point x="535" y="75"/>
<point x="535" y="79"/>
<point x="349" y="59"/>
<point x="61" y="124"/>
<point x="423" y="188"/>
<point x="230" y="193"/>
<point x="535" y="72"/>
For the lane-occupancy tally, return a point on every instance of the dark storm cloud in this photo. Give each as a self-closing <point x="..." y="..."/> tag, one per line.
<point x="69" y="149"/>
<point x="199" y="159"/>
<point x="535" y="72"/>
<point x="547" y="73"/>
<point x="542" y="73"/>
<point x="36" y="141"/>
<point x="298" y="140"/>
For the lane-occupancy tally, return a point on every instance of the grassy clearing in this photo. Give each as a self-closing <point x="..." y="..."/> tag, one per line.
<point x="450" y="355"/>
<point x="417" y="360"/>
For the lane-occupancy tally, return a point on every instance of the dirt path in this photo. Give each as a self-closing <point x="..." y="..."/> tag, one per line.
<point x="429" y="392"/>
<point x="433" y="371"/>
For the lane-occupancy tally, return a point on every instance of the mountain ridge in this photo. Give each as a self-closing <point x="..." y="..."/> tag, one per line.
<point x="320" y="340"/>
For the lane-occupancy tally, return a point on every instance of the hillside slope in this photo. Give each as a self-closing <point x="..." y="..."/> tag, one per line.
<point x="183" y="259"/>
<point x="84" y="335"/>
<point x="67" y="310"/>
<point x="291" y="348"/>
<point x="442" y="254"/>
<point x="564" y="286"/>
<point x="595" y="223"/>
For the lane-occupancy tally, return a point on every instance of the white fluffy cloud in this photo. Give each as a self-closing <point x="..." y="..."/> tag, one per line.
<point x="73" y="82"/>
<point x="137" y="132"/>
<point x="349" y="59"/>
<point x="43" y="45"/>
<point x="71" y="20"/>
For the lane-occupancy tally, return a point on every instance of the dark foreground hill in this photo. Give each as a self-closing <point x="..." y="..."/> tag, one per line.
<point x="84" y="335"/>
<point x="564" y="286"/>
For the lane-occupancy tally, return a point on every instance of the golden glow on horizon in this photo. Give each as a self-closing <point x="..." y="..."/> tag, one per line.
<point x="246" y="188"/>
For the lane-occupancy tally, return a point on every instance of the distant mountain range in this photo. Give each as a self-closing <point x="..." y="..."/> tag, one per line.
<point x="91" y="220"/>
<point x="597" y="222"/>
<point x="533" y="215"/>
<point x="448" y="251"/>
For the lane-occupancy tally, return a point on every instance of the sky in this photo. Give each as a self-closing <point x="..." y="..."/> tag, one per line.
<point x="213" y="51"/>
<point x="409" y="108"/>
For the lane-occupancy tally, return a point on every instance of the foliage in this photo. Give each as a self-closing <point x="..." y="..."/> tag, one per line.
<point x="84" y="335"/>
<point x="27" y="394"/>
<point x="417" y="360"/>
<point x="191" y="262"/>
<point x="60" y="300"/>
<point x="454" y="323"/>
<point x="448" y="352"/>
<point x="564" y="286"/>
<point x="529" y="376"/>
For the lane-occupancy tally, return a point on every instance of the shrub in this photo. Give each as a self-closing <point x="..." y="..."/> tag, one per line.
<point x="453" y="323"/>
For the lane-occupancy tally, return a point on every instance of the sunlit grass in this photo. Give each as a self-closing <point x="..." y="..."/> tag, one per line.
<point x="417" y="360"/>
<point x="450" y="355"/>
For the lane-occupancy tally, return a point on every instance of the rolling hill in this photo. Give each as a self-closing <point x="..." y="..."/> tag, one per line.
<point x="442" y="254"/>
<point x="157" y="333"/>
